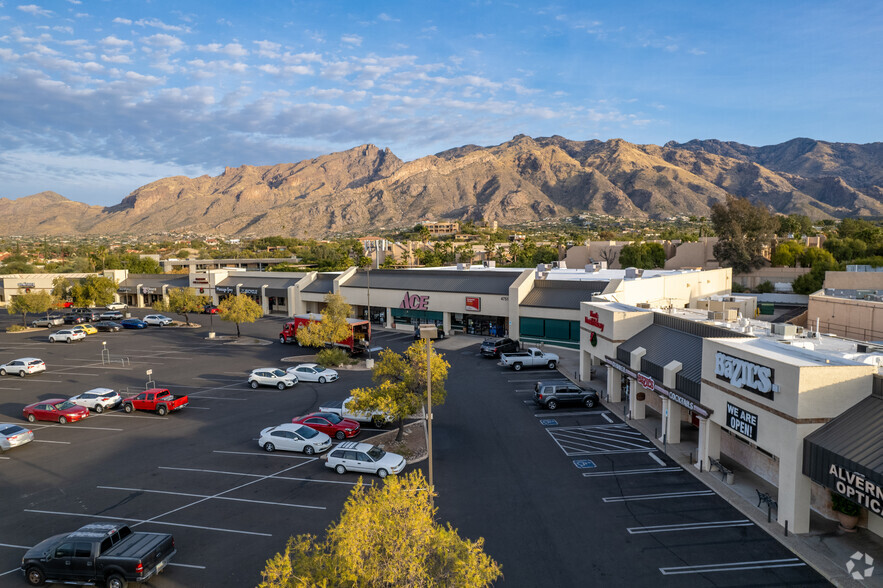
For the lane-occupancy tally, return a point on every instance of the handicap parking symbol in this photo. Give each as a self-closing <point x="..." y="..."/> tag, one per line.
<point x="548" y="422"/>
<point x="584" y="464"/>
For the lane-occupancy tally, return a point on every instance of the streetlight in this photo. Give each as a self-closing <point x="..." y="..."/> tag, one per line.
<point x="429" y="421"/>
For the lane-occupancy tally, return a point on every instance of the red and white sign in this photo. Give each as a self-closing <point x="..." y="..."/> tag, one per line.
<point x="592" y="320"/>
<point x="414" y="302"/>
<point x="473" y="303"/>
<point x="646" y="381"/>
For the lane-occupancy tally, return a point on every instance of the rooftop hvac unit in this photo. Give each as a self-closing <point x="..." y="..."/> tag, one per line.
<point x="631" y="273"/>
<point x="783" y="329"/>
<point x="644" y="305"/>
<point x="731" y="314"/>
<point x="489" y="263"/>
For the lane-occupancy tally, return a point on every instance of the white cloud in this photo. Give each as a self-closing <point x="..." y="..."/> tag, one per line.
<point x="303" y="70"/>
<point x="35" y="10"/>
<point x="164" y="42"/>
<point x="158" y="24"/>
<point x="354" y="40"/>
<point x="231" y="49"/>
<point x="116" y="58"/>
<point x="387" y="18"/>
<point x="270" y="69"/>
<point x="75" y="2"/>
<point x="8" y="54"/>
<point x="112" y="41"/>
<point x="121" y="20"/>
<point x="268" y="49"/>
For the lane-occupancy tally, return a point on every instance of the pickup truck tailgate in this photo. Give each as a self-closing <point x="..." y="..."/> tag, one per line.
<point x="150" y="548"/>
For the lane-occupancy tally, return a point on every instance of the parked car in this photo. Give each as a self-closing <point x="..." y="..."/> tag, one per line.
<point x="342" y="409"/>
<point x="428" y="331"/>
<point x="331" y="424"/>
<point x="111" y="315"/>
<point x="74" y="319"/>
<point x="108" y="326"/>
<point x="210" y="309"/>
<point x="494" y="347"/>
<point x="530" y="357"/>
<point x="67" y="335"/>
<point x="98" y="399"/>
<point x="351" y="456"/>
<point x="157" y="320"/>
<point x="158" y="400"/>
<point x="133" y="323"/>
<point x="107" y="554"/>
<point x="293" y="437"/>
<point x="53" y="320"/>
<point x="552" y="394"/>
<point x="12" y="435"/>
<point x="117" y="306"/>
<point x="313" y="372"/>
<point x="271" y="377"/>
<point x="23" y="366"/>
<point x="86" y="329"/>
<point x="55" y="409"/>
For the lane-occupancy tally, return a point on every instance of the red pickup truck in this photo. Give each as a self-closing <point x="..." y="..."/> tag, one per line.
<point x="158" y="400"/>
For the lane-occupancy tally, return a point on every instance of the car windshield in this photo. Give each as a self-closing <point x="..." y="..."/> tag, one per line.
<point x="307" y="433"/>
<point x="278" y="373"/>
<point x="333" y="418"/>
<point x="376" y="453"/>
<point x="11" y="430"/>
<point x="64" y="405"/>
<point x="319" y="368"/>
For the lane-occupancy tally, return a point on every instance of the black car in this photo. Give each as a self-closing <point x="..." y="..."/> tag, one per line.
<point x="495" y="346"/>
<point x="75" y="319"/>
<point x="108" y="326"/>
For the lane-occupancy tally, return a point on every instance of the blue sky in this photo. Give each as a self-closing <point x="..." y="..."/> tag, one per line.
<point x="98" y="98"/>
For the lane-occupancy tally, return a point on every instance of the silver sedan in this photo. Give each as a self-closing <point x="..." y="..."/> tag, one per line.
<point x="12" y="435"/>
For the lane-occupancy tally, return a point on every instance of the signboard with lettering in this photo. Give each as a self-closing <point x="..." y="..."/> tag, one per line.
<point x="148" y="290"/>
<point x="414" y="302"/>
<point x="473" y="303"/>
<point x="250" y="291"/>
<point x="592" y="320"/>
<point x="26" y="285"/>
<point x="742" y="421"/>
<point x="646" y="381"/>
<point x="224" y="289"/>
<point x="746" y="375"/>
<point x="856" y="488"/>
<point x="124" y="289"/>
<point x="655" y="386"/>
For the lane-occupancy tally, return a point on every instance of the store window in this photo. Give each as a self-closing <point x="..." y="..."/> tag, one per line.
<point x="554" y="331"/>
<point x="404" y="316"/>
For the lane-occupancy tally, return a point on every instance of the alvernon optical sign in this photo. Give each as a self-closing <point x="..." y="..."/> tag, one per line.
<point x="856" y="488"/>
<point x="746" y="375"/>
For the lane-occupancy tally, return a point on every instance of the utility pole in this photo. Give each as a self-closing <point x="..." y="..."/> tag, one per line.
<point x="429" y="422"/>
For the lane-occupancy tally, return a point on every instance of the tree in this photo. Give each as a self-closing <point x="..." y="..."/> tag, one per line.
<point x="642" y="255"/>
<point x="401" y="379"/>
<point x="332" y="328"/>
<point x="61" y="289"/>
<point x="182" y="301"/>
<point x="813" y="257"/>
<point x="821" y="261"/>
<point x="386" y="536"/>
<point x="93" y="291"/>
<point x="743" y="231"/>
<point x="33" y="302"/>
<point x="787" y="254"/>
<point x="846" y="249"/>
<point x="794" y="224"/>
<point x="240" y="309"/>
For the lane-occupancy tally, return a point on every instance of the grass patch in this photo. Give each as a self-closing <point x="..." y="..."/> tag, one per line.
<point x="16" y="328"/>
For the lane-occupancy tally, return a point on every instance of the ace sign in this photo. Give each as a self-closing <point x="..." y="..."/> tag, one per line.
<point x="742" y="421"/>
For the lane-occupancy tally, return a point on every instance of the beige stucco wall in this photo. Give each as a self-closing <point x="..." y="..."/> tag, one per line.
<point x="854" y="280"/>
<point x="491" y="304"/>
<point x="854" y="319"/>
<point x="678" y="289"/>
<point x="619" y="325"/>
<point x="773" y="275"/>
<point x="695" y="254"/>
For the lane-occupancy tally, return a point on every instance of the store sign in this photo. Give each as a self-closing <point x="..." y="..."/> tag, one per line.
<point x="744" y="374"/>
<point x="250" y="291"/>
<point x="651" y="384"/>
<point x="26" y="285"/>
<point x="414" y="302"/>
<point x="473" y="303"/>
<point x="593" y="321"/>
<point x="124" y="290"/>
<point x="856" y="488"/>
<point x="742" y="421"/>
<point x="200" y="280"/>
<point x="646" y="381"/>
<point x="224" y="289"/>
<point x="148" y="290"/>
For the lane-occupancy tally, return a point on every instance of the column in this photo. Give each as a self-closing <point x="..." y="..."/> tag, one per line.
<point x="794" y="488"/>
<point x="389" y="317"/>
<point x="139" y="296"/>
<point x="586" y="361"/>
<point x="671" y="411"/>
<point x="265" y="302"/>
<point x="637" y="408"/>
<point x="709" y="443"/>
<point x="446" y="323"/>
<point x="614" y="385"/>
<point x="291" y="301"/>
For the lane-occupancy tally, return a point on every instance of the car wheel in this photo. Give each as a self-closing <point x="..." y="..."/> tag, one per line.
<point x="3" y="372"/>
<point x="70" y="340"/>
<point x="321" y="379"/>
<point x="36" y="577"/>
<point x="590" y="402"/>
<point x="116" y="581"/>
<point x="340" y="469"/>
<point x="98" y="409"/>
<point x="340" y="435"/>
<point x="281" y="386"/>
<point x="551" y="365"/>
<point x="21" y="373"/>
<point x="62" y="421"/>
<point x="552" y="404"/>
<point x="379" y="421"/>
<point x="309" y="450"/>
<point x="253" y="384"/>
<point x="516" y="367"/>
<point x="32" y="418"/>
<point x="282" y="339"/>
<point x="128" y="407"/>
<point x="52" y="339"/>
<point x="269" y="447"/>
<point x="162" y="409"/>
<point x="382" y="473"/>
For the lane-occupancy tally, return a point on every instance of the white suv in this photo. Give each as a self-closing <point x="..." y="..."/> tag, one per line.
<point x="271" y="377"/>
<point x="157" y="320"/>
<point x="350" y="456"/>
<point x="23" y="366"/>
<point x="294" y="437"/>
<point x="98" y="399"/>
<point x="67" y="335"/>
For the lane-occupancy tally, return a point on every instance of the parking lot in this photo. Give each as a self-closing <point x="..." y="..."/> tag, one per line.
<point x="569" y="497"/>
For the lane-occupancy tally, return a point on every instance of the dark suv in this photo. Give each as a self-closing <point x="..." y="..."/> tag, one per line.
<point x="553" y="394"/>
<point x="494" y="347"/>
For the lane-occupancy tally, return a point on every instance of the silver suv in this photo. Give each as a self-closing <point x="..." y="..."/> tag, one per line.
<point x="553" y="394"/>
<point x="271" y="377"/>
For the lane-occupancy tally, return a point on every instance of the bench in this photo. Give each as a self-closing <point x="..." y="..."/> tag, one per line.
<point x="764" y="498"/>
<point x="726" y="473"/>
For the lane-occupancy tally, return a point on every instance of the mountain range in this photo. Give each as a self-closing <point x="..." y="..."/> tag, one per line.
<point x="367" y="188"/>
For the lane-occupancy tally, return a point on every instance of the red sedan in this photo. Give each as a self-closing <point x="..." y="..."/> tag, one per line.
<point x="330" y="424"/>
<point x="55" y="409"/>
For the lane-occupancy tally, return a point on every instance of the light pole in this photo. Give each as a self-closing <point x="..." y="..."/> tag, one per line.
<point x="429" y="421"/>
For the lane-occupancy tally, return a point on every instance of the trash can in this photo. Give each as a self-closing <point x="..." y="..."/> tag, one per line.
<point x="369" y="363"/>
<point x="127" y="315"/>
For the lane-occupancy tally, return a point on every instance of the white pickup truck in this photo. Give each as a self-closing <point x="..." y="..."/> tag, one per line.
<point x="530" y="357"/>
<point x="339" y="407"/>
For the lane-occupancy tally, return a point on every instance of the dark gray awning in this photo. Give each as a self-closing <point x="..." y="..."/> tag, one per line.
<point x="279" y="288"/>
<point x="322" y="285"/>
<point x="156" y="281"/>
<point x="459" y="281"/>
<point x="663" y="346"/>
<point x="846" y="454"/>
<point x="562" y="294"/>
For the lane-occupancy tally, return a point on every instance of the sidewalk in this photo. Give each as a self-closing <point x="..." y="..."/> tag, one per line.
<point x="824" y="548"/>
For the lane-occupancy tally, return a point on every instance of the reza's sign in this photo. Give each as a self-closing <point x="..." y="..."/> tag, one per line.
<point x="646" y="381"/>
<point x="744" y="374"/>
<point x="857" y="488"/>
<point x="414" y="302"/>
<point x="592" y="320"/>
<point x="742" y="421"/>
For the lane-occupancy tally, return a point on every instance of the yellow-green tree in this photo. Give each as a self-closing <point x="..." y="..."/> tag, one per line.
<point x="240" y="309"/>
<point x="33" y="302"/>
<point x="333" y="327"/>
<point x="182" y="301"/>
<point x="386" y="536"/>
<point x="401" y="379"/>
<point x="93" y="291"/>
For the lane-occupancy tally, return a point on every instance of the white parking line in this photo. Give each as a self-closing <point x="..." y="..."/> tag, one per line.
<point x="4" y="458"/>
<point x="791" y="562"/>
<point x="14" y="546"/>
<point x="213" y="497"/>
<point x="213" y="397"/>
<point x="124" y="414"/>
<point x="49" y="381"/>
<point x="10" y="388"/>
<point x="177" y="565"/>
<point x="632" y="472"/>
<point x="262" y="454"/>
<point x="656" y="458"/>
<point x="607" y="418"/>
<point x="58" y="442"/>
<point x="151" y="521"/>
<point x="10" y="571"/>
<point x="289" y="478"/>
<point x="75" y="427"/>
<point x="689" y="527"/>
<point x="559" y="414"/>
<point x="662" y="496"/>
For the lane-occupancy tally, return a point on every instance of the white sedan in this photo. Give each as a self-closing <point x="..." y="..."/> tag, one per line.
<point x="98" y="399"/>
<point x="67" y="335"/>
<point x="313" y="372"/>
<point x="271" y="377"/>
<point x="117" y="306"/>
<point x="23" y="366"/>
<point x="157" y="320"/>
<point x="294" y="437"/>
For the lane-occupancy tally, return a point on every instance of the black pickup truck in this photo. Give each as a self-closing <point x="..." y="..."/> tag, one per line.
<point x="107" y="554"/>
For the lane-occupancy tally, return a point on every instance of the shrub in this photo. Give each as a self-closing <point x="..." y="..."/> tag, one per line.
<point x="841" y="504"/>
<point x="332" y="357"/>
<point x="15" y="328"/>
<point x="765" y="288"/>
